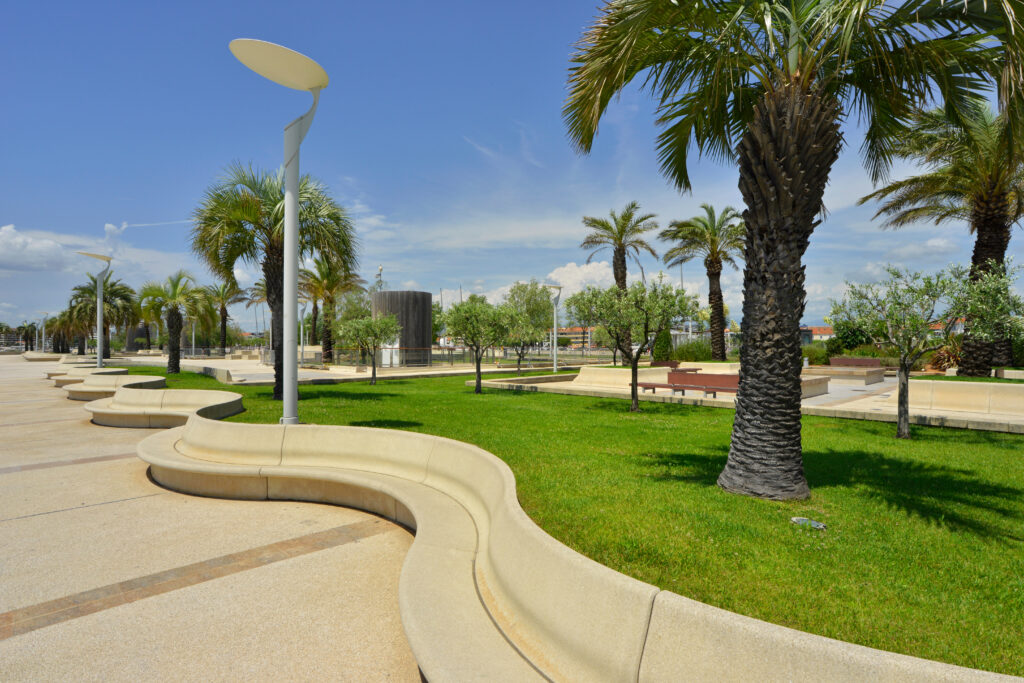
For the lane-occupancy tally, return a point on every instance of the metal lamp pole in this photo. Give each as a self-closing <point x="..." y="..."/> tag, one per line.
<point x="293" y="70"/>
<point x="554" y="330"/>
<point x="99" y="303"/>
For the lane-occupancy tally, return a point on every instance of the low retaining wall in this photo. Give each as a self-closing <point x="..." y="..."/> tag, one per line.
<point x="968" y="397"/>
<point x="620" y="378"/>
<point x="567" y="616"/>
<point x="848" y="375"/>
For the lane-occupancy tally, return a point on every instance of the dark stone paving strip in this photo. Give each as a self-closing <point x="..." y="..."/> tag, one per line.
<point x="63" y="463"/>
<point x="25" y="619"/>
<point x="40" y="422"/>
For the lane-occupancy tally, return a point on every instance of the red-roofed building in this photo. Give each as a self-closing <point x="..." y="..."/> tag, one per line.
<point x="812" y="333"/>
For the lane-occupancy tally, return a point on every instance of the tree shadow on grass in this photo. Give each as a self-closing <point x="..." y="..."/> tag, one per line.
<point x="386" y="424"/>
<point x="950" y="497"/>
<point x="955" y="498"/>
<point x="307" y="394"/>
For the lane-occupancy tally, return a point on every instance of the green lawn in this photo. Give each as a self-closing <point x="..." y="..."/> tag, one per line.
<point x="925" y="543"/>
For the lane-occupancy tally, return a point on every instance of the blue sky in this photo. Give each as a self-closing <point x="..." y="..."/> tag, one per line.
<point x="440" y="132"/>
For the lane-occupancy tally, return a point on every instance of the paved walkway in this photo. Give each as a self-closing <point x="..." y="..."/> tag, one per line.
<point x="106" y="576"/>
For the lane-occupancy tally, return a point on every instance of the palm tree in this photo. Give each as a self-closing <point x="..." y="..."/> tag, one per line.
<point x="327" y="280"/>
<point x="623" y="233"/>
<point x="975" y="174"/>
<point x="719" y="239"/>
<point x="241" y="217"/>
<point x="118" y="300"/>
<point x="221" y="296"/>
<point x="766" y="84"/>
<point x="176" y="295"/>
<point x="257" y="296"/>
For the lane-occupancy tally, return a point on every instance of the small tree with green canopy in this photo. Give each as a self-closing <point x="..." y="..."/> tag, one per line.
<point x="368" y="335"/>
<point x="479" y="325"/>
<point x="436" y="321"/>
<point x="529" y="310"/>
<point x="633" y="318"/>
<point x="903" y="311"/>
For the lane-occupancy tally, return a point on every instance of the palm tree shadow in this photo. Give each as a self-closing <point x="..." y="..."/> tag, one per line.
<point x="954" y="498"/>
<point x="307" y="394"/>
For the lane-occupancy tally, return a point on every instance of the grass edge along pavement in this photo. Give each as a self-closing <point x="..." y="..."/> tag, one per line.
<point x="924" y="542"/>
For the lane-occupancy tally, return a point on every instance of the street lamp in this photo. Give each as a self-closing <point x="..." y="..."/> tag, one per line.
<point x="99" y="303"/>
<point x="299" y="72"/>
<point x="554" y="330"/>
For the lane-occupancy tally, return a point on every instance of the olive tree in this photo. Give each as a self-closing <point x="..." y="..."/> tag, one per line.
<point x="528" y="309"/>
<point x="633" y="318"/>
<point x="369" y="334"/>
<point x="913" y="314"/>
<point x="479" y="325"/>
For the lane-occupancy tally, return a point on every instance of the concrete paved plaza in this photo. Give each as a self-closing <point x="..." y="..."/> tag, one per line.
<point x="106" y="576"/>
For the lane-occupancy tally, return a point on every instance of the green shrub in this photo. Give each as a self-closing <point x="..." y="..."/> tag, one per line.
<point x="815" y="354"/>
<point x="693" y="351"/>
<point x="834" y="346"/>
<point x="1018" y="353"/>
<point x="662" y="346"/>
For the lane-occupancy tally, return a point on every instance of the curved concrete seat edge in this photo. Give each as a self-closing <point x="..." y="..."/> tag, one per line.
<point x="485" y="594"/>
<point x="105" y="386"/>
<point x="161" y="408"/>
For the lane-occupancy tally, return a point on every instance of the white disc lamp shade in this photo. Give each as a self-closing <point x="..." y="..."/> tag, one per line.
<point x="279" y="64"/>
<point x="101" y="257"/>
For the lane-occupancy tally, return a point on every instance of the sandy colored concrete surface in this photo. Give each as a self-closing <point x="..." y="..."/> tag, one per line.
<point x="68" y="527"/>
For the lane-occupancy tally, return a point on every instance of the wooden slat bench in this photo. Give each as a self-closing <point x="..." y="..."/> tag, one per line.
<point x="683" y="379"/>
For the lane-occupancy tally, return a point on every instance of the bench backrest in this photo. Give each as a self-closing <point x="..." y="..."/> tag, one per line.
<point x="716" y="381"/>
<point x="664" y="364"/>
<point x="842" y="361"/>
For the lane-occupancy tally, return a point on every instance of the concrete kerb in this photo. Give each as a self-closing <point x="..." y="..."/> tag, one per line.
<point x="485" y="594"/>
<point x="75" y="375"/>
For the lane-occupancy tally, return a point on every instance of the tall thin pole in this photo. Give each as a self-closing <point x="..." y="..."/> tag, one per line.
<point x="99" y="316"/>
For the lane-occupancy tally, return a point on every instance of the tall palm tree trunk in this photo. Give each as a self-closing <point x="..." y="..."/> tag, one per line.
<point x="717" y="305"/>
<point x="619" y="267"/>
<point x="223" y="330"/>
<point x="149" y="340"/>
<point x="782" y="179"/>
<point x="106" y="342"/>
<point x="173" y="341"/>
<point x="81" y="345"/>
<point x="991" y="223"/>
<point x="327" y="337"/>
<point x="312" y="330"/>
<point x="273" y="275"/>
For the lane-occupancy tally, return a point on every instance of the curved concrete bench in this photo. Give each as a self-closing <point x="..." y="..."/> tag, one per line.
<point x="161" y="408"/>
<point x="103" y="386"/>
<point x="484" y="593"/>
<point x="63" y="367"/>
<point x="38" y="356"/>
<point x="74" y="375"/>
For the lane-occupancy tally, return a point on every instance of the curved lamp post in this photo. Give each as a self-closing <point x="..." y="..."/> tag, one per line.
<point x="99" y="303"/>
<point x="299" y="72"/>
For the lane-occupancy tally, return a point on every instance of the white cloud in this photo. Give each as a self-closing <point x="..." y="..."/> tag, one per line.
<point x="243" y="277"/>
<point x="575" y="278"/>
<point x="23" y="251"/>
<point x="930" y="249"/>
<point x="486" y="151"/>
<point x="112" y="232"/>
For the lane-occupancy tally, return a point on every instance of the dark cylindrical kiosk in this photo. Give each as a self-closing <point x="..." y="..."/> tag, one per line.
<point x="413" y="312"/>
